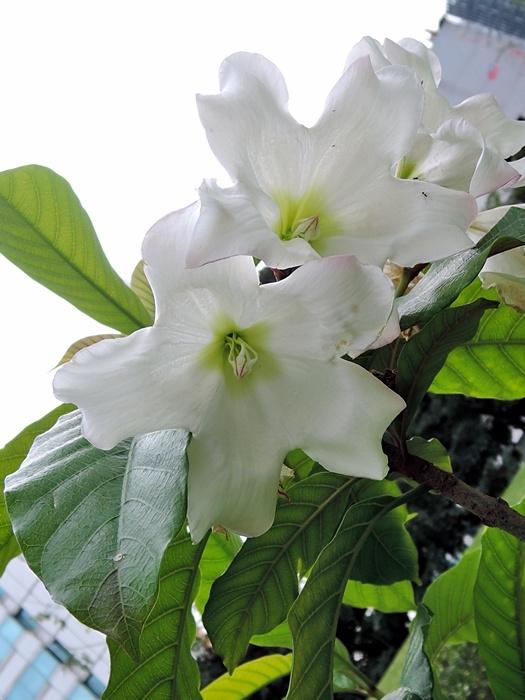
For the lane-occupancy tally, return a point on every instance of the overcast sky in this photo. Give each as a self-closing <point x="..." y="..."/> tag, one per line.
<point x="103" y="92"/>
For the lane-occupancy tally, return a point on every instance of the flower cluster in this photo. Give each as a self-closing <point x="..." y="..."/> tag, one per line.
<point x="389" y="172"/>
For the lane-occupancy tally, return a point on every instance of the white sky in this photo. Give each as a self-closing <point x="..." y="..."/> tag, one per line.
<point x="103" y="92"/>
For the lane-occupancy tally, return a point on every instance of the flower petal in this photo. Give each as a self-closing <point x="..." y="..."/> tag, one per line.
<point x="235" y="465"/>
<point x="134" y="385"/>
<point x="503" y="135"/>
<point x="248" y="119"/>
<point x="164" y="251"/>
<point x="368" y="123"/>
<point x="412" y="222"/>
<point x="455" y="156"/>
<point x="230" y="225"/>
<point x="237" y="488"/>
<point x="352" y="304"/>
<point x="353" y="407"/>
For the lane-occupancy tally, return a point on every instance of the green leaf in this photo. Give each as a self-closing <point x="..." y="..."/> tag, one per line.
<point x="425" y="353"/>
<point x="85" y="343"/>
<point x="94" y="524"/>
<point x="390" y="554"/>
<point x="396" y="597"/>
<point x="499" y="593"/>
<point x="430" y="450"/>
<point x="280" y="636"/>
<point x="447" y="278"/>
<point x="11" y="457"/>
<point x="45" y="231"/>
<point x="450" y="598"/>
<point x="257" y="590"/>
<point x="166" y="668"/>
<point x="301" y="464"/>
<point x="492" y="363"/>
<point x="248" y="678"/>
<point x="346" y="677"/>
<point x="314" y="615"/>
<point x="216" y="558"/>
<point x="417" y="672"/>
<point x="141" y="286"/>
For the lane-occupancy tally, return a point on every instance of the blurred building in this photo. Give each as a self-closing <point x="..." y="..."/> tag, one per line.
<point x="45" y="653"/>
<point x="481" y="46"/>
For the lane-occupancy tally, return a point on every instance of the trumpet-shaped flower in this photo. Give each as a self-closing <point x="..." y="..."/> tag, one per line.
<point x="303" y="193"/>
<point x="462" y="147"/>
<point x="251" y="371"/>
<point x="505" y="271"/>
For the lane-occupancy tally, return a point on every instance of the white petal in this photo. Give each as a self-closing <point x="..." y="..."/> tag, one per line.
<point x="235" y="463"/>
<point x="370" y="47"/>
<point x="227" y="283"/>
<point x="503" y="135"/>
<point x="412" y="222"/>
<point x="368" y="123"/>
<point x="455" y="156"/>
<point x="340" y="415"/>
<point x="352" y="303"/>
<point x="306" y="403"/>
<point x="249" y="127"/>
<point x="229" y="225"/>
<point x="419" y="57"/>
<point x="485" y="220"/>
<point x="134" y="385"/>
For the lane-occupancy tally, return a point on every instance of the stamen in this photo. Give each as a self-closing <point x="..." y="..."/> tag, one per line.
<point x="241" y="356"/>
<point x="308" y="229"/>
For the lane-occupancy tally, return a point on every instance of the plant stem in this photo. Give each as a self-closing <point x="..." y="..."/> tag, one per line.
<point x="492" y="511"/>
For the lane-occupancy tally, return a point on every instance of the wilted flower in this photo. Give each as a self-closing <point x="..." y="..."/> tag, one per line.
<point x="303" y="193"/>
<point x="251" y="371"/>
<point x="462" y="147"/>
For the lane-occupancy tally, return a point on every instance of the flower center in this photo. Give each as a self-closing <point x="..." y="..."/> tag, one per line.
<point x="241" y="356"/>
<point x="308" y="229"/>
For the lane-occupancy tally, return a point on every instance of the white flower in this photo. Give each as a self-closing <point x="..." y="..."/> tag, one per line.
<point x="303" y="193"/>
<point x="462" y="147"/>
<point x="505" y="271"/>
<point x="252" y="371"/>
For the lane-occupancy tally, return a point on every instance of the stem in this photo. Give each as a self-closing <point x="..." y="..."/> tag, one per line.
<point x="409" y="273"/>
<point x="492" y="511"/>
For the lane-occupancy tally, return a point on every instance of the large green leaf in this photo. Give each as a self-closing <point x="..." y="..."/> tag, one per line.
<point x="396" y="597"/>
<point x="45" y="231"/>
<point x="94" y="524"/>
<point x="11" y="457"/>
<point x="425" y="353"/>
<point x="280" y="636"/>
<point x="447" y="278"/>
<point x="346" y="676"/>
<point x="166" y="668"/>
<point x="248" y="678"/>
<point x="499" y="593"/>
<point x="492" y="363"/>
<point x="417" y="672"/>
<point x="142" y="288"/>
<point x="257" y="590"/>
<point x="313" y="616"/>
<point x="451" y="599"/>
<point x="216" y="558"/>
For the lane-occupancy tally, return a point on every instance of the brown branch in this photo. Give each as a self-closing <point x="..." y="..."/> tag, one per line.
<point x="492" y="511"/>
